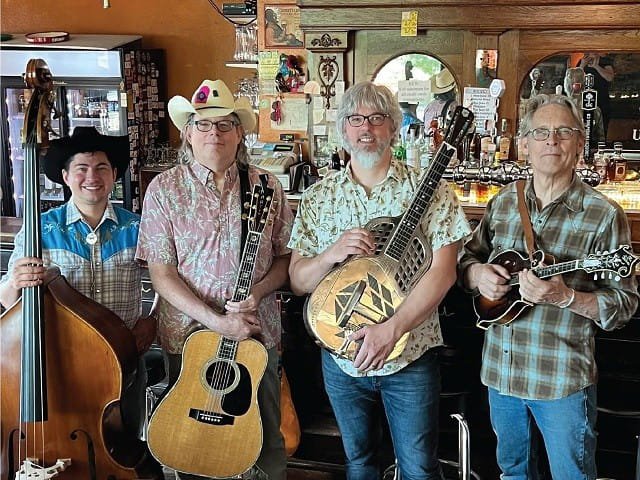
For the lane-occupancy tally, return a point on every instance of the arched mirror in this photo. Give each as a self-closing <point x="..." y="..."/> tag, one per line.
<point x="443" y="93"/>
<point x="616" y="79"/>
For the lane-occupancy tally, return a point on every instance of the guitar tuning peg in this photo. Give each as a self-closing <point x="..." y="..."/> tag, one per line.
<point x="246" y="204"/>
<point x="610" y="275"/>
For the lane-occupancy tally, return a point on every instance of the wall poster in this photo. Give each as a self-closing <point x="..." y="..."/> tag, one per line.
<point x="282" y="26"/>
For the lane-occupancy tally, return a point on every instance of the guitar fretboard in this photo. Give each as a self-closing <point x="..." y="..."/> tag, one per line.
<point x="227" y="348"/>
<point x="420" y="203"/>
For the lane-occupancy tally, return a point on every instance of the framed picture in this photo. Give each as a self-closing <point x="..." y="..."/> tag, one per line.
<point x="282" y="27"/>
<point x="486" y="67"/>
<point x="321" y="147"/>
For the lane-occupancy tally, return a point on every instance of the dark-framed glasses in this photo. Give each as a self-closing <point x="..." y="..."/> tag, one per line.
<point x="221" y="125"/>
<point x="563" y="133"/>
<point x="375" y="119"/>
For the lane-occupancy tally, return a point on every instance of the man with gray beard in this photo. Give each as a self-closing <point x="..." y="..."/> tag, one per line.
<point x="328" y="229"/>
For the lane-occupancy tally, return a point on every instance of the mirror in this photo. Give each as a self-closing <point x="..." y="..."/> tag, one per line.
<point x="617" y="81"/>
<point x="443" y="96"/>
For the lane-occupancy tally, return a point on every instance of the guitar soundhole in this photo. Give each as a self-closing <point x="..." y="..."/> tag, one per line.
<point x="222" y="376"/>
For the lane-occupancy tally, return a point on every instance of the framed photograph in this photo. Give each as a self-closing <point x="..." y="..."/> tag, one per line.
<point x="321" y="147"/>
<point x="282" y="27"/>
<point x="486" y="67"/>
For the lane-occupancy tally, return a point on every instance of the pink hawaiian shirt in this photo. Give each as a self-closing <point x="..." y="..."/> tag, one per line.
<point x="187" y="222"/>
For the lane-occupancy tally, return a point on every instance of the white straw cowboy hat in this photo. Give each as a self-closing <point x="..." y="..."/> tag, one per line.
<point x="212" y="99"/>
<point x="442" y="82"/>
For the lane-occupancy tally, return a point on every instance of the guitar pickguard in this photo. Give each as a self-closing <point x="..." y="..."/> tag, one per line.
<point x="230" y="381"/>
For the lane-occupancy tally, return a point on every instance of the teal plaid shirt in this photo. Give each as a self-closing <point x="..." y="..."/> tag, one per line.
<point x="548" y="352"/>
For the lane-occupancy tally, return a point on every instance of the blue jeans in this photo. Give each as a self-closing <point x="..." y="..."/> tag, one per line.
<point x="567" y="426"/>
<point x="410" y="398"/>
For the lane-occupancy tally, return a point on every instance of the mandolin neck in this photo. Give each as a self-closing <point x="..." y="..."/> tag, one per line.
<point x="551" y="270"/>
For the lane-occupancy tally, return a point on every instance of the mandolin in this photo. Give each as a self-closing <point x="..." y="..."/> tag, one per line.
<point x="620" y="263"/>
<point x="209" y="423"/>
<point x="367" y="290"/>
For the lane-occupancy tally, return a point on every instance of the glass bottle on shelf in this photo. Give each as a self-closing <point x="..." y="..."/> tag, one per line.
<point x="600" y="162"/>
<point x="504" y="142"/>
<point x="617" y="164"/>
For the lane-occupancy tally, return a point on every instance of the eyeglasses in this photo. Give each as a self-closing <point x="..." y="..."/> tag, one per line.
<point x="563" y="133"/>
<point x="221" y="125"/>
<point x="375" y="119"/>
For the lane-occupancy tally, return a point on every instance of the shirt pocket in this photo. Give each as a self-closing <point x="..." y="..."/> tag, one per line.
<point x="73" y="273"/>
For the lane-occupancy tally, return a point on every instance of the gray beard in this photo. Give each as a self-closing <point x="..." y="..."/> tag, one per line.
<point x="368" y="160"/>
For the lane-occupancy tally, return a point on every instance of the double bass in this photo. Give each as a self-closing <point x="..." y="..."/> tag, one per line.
<point x="64" y="358"/>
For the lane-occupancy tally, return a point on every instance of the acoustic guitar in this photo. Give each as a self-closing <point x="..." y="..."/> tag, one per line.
<point x="367" y="290"/>
<point x="209" y="423"/>
<point x="620" y="263"/>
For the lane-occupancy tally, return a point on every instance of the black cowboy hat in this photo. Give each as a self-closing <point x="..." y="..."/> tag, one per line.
<point x="85" y="139"/>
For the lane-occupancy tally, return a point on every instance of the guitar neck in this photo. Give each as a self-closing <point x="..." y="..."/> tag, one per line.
<point x="420" y="203"/>
<point x="242" y="289"/>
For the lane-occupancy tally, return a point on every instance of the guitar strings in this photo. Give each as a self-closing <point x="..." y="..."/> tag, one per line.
<point x="227" y="348"/>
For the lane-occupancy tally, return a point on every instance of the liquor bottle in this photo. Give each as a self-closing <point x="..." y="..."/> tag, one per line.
<point x="600" y="162"/>
<point x="504" y="142"/>
<point x="617" y="164"/>
<point x="485" y="140"/>
<point x="411" y="149"/>
<point x="335" y="160"/>
<point x="400" y="152"/>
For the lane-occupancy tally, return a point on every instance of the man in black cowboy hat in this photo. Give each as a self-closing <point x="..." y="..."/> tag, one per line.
<point x="92" y="242"/>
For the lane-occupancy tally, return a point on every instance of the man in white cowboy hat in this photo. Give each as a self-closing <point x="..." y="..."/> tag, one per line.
<point x="190" y="238"/>
<point x="443" y="89"/>
<point x="90" y="241"/>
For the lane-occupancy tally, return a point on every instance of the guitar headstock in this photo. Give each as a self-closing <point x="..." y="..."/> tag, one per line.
<point x="621" y="262"/>
<point x="37" y="118"/>
<point x="459" y="126"/>
<point x="260" y="204"/>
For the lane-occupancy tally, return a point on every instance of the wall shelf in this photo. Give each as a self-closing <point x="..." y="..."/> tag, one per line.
<point x="252" y="65"/>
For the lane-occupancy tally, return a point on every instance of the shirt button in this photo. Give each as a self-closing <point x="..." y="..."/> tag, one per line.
<point x="98" y="290"/>
<point x="98" y="264"/>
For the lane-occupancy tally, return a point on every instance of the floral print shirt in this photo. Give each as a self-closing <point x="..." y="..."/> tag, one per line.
<point x="338" y="203"/>
<point x="188" y="223"/>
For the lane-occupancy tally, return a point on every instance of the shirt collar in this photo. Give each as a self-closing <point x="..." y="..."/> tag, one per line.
<point x="204" y="175"/>
<point x="572" y="198"/>
<point x="74" y="215"/>
<point x="393" y="172"/>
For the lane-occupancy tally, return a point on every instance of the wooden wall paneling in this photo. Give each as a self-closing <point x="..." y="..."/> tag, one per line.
<point x="358" y="14"/>
<point x="508" y="48"/>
